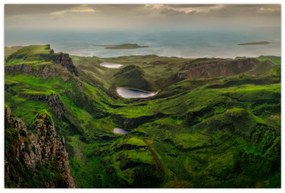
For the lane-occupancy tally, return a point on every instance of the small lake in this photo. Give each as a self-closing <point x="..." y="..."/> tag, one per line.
<point x="120" y="131"/>
<point x="129" y="93"/>
<point x="110" y="65"/>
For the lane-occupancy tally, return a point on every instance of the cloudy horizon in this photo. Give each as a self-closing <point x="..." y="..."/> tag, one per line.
<point x="141" y="16"/>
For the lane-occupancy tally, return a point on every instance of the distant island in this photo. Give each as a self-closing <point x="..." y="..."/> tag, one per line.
<point x="254" y="43"/>
<point x="123" y="46"/>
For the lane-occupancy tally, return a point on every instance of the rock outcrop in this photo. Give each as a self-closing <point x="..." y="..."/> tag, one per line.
<point x="65" y="61"/>
<point x="43" y="70"/>
<point x="35" y="157"/>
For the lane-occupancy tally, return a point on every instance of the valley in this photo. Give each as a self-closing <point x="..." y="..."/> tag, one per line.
<point x="147" y="120"/>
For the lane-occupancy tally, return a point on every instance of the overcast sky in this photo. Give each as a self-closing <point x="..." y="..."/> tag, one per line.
<point x="89" y="17"/>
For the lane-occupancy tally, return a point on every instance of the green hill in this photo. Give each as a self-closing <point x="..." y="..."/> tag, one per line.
<point x="131" y="76"/>
<point x="34" y="54"/>
<point x="219" y="130"/>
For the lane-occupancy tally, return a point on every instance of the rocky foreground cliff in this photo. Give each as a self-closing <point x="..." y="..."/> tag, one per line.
<point x="35" y="156"/>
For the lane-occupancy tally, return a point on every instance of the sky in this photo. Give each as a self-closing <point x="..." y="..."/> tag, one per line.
<point x="141" y="16"/>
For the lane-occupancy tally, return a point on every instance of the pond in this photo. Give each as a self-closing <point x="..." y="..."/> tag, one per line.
<point x="110" y="65"/>
<point x="127" y="92"/>
<point x="120" y="131"/>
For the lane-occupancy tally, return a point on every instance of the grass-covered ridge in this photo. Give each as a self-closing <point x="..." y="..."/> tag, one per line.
<point x="210" y="131"/>
<point x="34" y="54"/>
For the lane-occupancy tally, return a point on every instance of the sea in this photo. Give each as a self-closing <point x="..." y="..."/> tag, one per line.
<point x="190" y="43"/>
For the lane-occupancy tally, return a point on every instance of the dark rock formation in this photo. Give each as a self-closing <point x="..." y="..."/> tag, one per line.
<point x="45" y="70"/>
<point x="16" y="69"/>
<point x="66" y="62"/>
<point x="35" y="157"/>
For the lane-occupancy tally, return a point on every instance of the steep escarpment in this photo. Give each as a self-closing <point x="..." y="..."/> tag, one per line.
<point x="44" y="70"/>
<point x="35" y="156"/>
<point x="65" y="61"/>
<point x="213" y="68"/>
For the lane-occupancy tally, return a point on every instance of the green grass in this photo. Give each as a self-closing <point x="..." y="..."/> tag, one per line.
<point x="274" y="59"/>
<point x="143" y="157"/>
<point x="134" y="141"/>
<point x="216" y="132"/>
<point x="33" y="82"/>
<point x="11" y="50"/>
<point x="33" y="92"/>
<point x="34" y="54"/>
<point x="190" y="140"/>
<point x="33" y="50"/>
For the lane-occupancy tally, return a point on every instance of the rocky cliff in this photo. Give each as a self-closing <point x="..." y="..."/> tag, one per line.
<point x="65" y="61"/>
<point x="35" y="156"/>
<point x="213" y="68"/>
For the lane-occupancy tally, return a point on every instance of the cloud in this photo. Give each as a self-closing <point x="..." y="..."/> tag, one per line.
<point x="171" y="12"/>
<point x="32" y="9"/>
<point x="140" y="15"/>
<point x="184" y="9"/>
<point x="77" y="9"/>
<point x="218" y="10"/>
<point x="270" y="10"/>
<point x="197" y="8"/>
<point x="249" y="10"/>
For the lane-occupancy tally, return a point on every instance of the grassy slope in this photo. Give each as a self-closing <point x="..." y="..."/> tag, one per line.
<point x="208" y="133"/>
<point x="33" y="54"/>
<point x="11" y="50"/>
